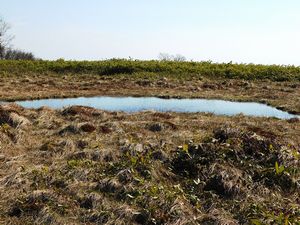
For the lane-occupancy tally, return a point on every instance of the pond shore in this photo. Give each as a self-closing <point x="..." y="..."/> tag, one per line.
<point x="282" y="95"/>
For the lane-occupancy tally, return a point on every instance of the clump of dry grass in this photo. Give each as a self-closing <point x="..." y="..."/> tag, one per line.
<point x="11" y="114"/>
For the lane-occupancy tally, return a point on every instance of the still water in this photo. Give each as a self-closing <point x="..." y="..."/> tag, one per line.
<point x="135" y="104"/>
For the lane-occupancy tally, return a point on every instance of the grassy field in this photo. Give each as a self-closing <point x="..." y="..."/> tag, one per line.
<point x="178" y="69"/>
<point x="80" y="165"/>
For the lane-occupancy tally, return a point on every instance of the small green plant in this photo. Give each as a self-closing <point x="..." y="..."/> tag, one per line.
<point x="5" y="127"/>
<point x="185" y="148"/>
<point x="279" y="169"/>
<point x="296" y="154"/>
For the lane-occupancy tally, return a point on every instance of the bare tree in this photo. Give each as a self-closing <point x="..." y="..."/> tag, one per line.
<point x="5" y="37"/>
<point x="169" y="57"/>
<point x="6" y="52"/>
<point x="164" y="57"/>
<point x="179" y="58"/>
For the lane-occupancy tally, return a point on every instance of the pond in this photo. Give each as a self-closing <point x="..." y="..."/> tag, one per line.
<point x="136" y="104"/>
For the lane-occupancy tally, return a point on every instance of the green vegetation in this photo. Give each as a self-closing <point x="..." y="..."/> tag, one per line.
<point x="177" y="69"/>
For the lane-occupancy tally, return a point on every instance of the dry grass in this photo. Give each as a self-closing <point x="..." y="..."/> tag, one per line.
<point x="34" y="86"/>
<point x="86" y="166"/>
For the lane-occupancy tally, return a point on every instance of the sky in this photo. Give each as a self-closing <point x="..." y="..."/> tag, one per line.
<point x="242" y="31"/>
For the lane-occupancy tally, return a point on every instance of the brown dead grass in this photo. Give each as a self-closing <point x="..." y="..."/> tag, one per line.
<point x="284" y="95"/>
<point x="80" y="165"/>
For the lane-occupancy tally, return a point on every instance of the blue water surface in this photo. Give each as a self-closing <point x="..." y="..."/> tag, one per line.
<point x="136" y="104"/>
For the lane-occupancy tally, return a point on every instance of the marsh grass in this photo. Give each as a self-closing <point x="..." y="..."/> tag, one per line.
<point x="201" y="170"/>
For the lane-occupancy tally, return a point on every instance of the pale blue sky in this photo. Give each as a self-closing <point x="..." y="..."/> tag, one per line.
<point x="258" y="31"/>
